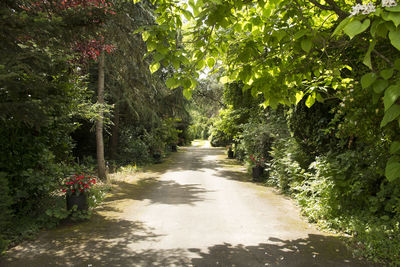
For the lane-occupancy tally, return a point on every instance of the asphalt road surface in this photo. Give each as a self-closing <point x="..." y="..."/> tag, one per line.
<point x="197" y="209"/>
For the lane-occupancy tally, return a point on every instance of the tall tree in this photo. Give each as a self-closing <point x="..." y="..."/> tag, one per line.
<point x="101" y="167"/>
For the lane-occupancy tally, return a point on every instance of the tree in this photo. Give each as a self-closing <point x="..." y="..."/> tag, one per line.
<point x="101" y="166"/>
<point x="285" y="50"/>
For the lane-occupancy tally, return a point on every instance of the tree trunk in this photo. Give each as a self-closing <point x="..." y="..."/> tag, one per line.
<point x="101" y="167"/>
<point x="114" y="133"/>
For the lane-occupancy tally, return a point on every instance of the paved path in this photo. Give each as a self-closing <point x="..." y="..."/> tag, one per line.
<point x="199" y="209"/>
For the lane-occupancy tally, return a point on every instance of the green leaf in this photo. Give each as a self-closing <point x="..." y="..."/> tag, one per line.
<point x="368" y="79"/>
<point x="387" y="73"/>
<point x="279" y="34"/>
<point x="299" y="96"/>
<point x="367" y="57"/>
<point x="393" y="9"/>
<point x="151" y="46"/>
<point x="395" y="147"/>
<point x="186" y="83"/>
<point x="341" y="25"/>
<point x="390" y="115"/>
<point x="176" y="63"/>
<point x="200" y="65"/>
<point x="392" y="171"/>
<point x="210" y="62"/>
<point x="154" y="67"/>
<point x="245" y="74"/>
<point x="188" y="15"/>
<point x="187" y="93"/>
<point x="300" y="34"/>
<point x="158" y="57"/>
<point x="172" y="83"/>
<point x="394" y="37"/>
<point x="224" y="79"/>
<point x="145" y="36"/>
<point x="392" y="17"/>
<point x="306" y="45"/>
<point x="320" y="98"/>
<point x="379" y="86"/>
<point x="310" y="101"/>
<point x="193" y="83"/>
<point x="356" y="27"/>
<point x="391" y="95"/>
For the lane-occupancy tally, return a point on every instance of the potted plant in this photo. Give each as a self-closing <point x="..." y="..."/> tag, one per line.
<point x="230" y="152"/>
<point x="174" y="148"/>
<point x="77" y="188"/>
<point x="258" y="169"/>
<point x="157" y="156"/>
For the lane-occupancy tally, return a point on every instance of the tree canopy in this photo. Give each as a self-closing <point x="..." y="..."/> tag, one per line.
<point x="286" y="51"/>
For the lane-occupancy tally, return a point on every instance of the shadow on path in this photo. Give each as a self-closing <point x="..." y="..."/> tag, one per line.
<point x="316" y="250"/>
<point x="101" y="240"/>
<point x="159" y="191"/>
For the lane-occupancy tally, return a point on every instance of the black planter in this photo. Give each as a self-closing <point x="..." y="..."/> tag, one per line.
<point x="230" y="154"/>
<point x="257" y="173"/>
<point x="174" y="148"/>
<point x="80" y="201"/>
<point x="157" y="157"/>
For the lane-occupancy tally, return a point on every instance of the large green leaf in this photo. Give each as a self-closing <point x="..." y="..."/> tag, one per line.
<point x="394" y="37"/>
<point x="395" y="147"/>
<point x="392" y="16"/>
<point x="154" y="67"/>
<point x="172" y="83"/>
<point x="387" y="73"/>
<point x="391" y="95"/>
<point x="145" y="36"/>
<point x="187" y="93"/>
<point x="390" y="115"/>
<point x="306" y="44"/>
<point x="341" y="25"/>
<point x="356" y="27"/>
<point x="367" y="57"/>
<point x="200" y="64"/>
<point x="210" y="62"/>
<point x="299" y="96"/>
<point x="379" y="86"/>
<point x="392" y="171"/>
<point x="310" y="101"/>
<point x="368" y="79"/>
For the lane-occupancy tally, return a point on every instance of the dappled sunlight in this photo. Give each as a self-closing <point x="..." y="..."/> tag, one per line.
<point x="201" y="143"/>
<point x="315" y="250"/>
<point x="200" y="209"/>
<point x="97" y="241"/>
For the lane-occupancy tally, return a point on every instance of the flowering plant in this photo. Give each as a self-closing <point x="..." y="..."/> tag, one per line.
<point x="77" y="184"/>
<point x="258" y="160"/>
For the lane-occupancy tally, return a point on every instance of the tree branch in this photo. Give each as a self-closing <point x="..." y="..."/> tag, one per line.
<point x="383" y="57"/>
<point x="332" y="6"/>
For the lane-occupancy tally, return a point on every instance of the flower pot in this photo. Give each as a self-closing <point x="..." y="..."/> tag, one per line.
<point x="230" y="154"/>
<point x="80" y="201"/>
<point x="157" y="157"/>
<point x="257" y="173"/>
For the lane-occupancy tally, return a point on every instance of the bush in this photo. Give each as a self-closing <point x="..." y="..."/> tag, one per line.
<point x="5" y="211"/>
<point x="286" y="172"/>
<point x="219" y="139"/>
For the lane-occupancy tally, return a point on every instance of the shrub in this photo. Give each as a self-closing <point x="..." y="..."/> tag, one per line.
<point x="5" y="211"/>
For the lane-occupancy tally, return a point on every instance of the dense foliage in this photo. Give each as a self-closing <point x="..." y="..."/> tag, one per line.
<point x="48" y="104"/>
